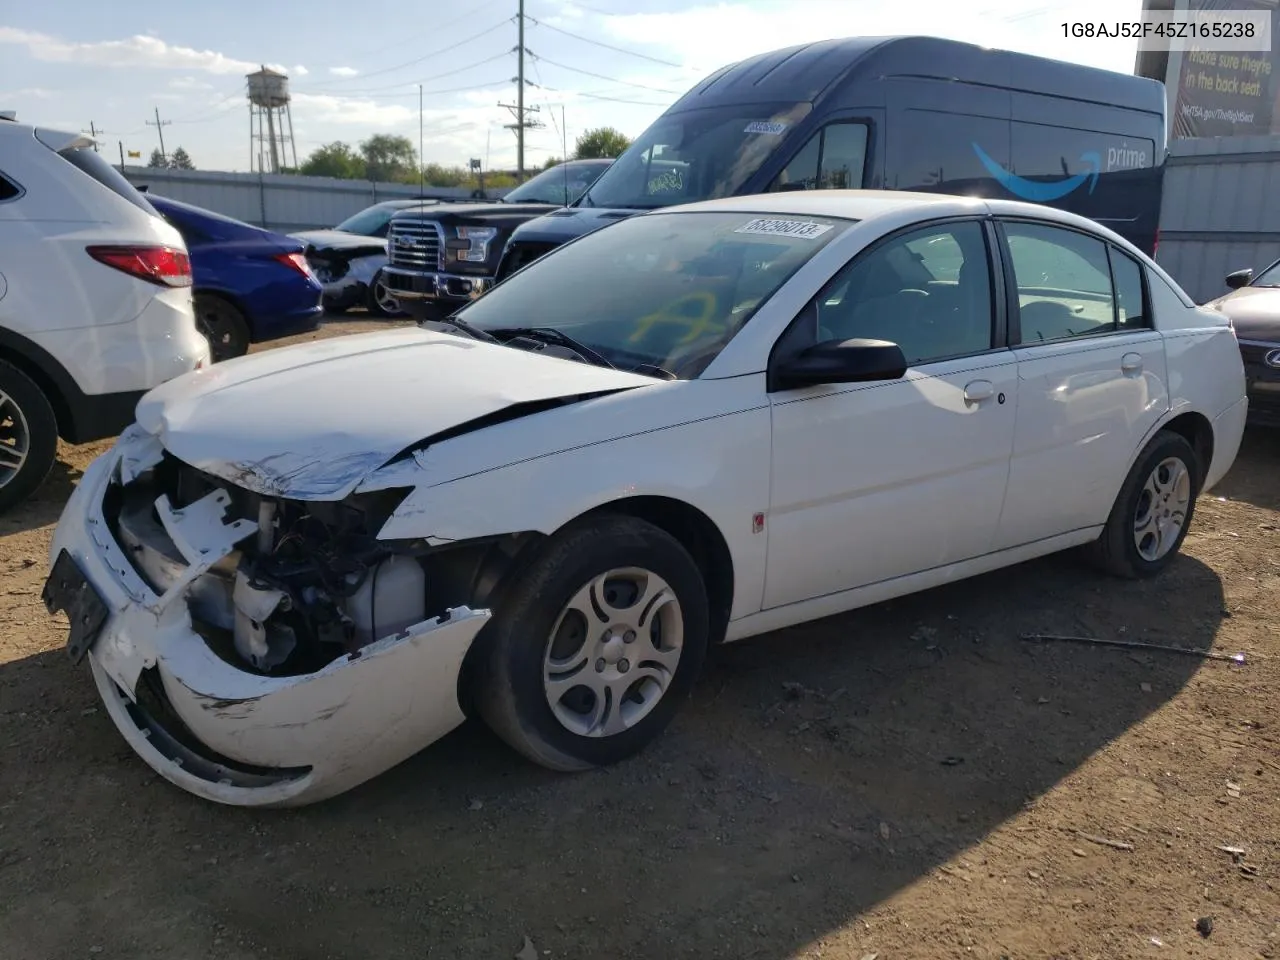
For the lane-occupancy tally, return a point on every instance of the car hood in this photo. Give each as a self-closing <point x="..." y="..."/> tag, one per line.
<point x="338" y="240"/>
<point x="1254" y="312"/>
<point x="569" y="223"/>
<point x="310" y="422"/>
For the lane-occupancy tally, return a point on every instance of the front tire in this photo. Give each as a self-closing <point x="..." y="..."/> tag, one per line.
<point x="1153" y="511"/>
<point x="28" y="436"/>
<point x="223" y="325"/>
<point x="379" y="301"/>
<point x="595" y="645"/>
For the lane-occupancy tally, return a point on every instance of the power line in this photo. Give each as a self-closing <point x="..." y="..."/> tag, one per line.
<point x="609" y="46"/>
<point x="419" y="80"/>
<point x="601" y="76"/>
<point x="352" y="95"/>
<point x="435" y="31"/>
<point x="425" y="56"/>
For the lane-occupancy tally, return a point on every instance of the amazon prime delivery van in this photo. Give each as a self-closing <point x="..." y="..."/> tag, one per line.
<point x="899" y="113"/>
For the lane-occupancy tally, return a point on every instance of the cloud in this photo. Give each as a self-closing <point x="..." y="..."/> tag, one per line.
<point x="713" y="35"/>
<point x="26" y="93"/>
<point x="324" y="108"/>
<point x="344" y="71"/>
<point x="139" y="50"/>
<point x="189" y="83"/>
<point x="300" y="71"/>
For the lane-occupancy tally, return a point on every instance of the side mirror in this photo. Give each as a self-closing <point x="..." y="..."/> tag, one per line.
<point x="842" y="361"/>
<point x="1239" y="279"/>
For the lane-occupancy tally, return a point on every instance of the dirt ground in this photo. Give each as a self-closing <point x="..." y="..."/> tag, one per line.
<point x="910" y="781"/>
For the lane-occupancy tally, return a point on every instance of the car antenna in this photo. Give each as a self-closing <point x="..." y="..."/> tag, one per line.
<point x="564" y="151"/>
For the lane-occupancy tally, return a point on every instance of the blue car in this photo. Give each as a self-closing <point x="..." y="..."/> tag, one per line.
<point x="250" y="285"/>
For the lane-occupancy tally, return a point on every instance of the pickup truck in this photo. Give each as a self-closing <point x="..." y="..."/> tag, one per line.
<point x="441" y="257"/>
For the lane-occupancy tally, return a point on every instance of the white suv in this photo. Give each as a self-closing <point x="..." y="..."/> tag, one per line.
<point x="95" y="301"/>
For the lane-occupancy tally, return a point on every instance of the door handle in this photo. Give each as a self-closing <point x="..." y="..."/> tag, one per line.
<point x="1131" y="362"/>
<point x="978" y="390"/>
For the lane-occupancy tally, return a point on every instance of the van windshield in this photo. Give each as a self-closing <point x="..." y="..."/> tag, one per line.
<point x="695" y="155"/>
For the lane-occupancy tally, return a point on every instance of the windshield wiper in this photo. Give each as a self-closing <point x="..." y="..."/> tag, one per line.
<point x="475" y="333"/>
<point x="552" y="335"/>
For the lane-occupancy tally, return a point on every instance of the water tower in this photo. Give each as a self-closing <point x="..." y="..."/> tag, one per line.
<point x="270" y="122"/>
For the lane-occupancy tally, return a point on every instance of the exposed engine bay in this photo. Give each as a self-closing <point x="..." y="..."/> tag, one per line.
<point x="314" y="584"/>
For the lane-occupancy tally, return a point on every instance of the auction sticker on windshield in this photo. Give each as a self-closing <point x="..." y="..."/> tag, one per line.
<point x="804" y="229"/>
<point x="766" y="126"/>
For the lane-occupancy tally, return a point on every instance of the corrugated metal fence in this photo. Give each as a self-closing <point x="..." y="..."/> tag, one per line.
<point x="1221" y="210"/>
<point x="279" y="201"/>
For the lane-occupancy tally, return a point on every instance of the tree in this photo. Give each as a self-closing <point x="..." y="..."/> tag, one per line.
<point x="335" y="159"/>
<point x="157" y="159"/>
<point x="550" y="162"/>
<point x="180" y="161"/>
<point x="602" y="142"/>
<point x="388" y="157"/>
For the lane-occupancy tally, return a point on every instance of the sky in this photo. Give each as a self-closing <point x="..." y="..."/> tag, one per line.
<point x="354" y="68"/>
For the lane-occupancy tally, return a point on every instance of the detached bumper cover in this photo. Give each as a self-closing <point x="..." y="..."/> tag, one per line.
<point x="225" y="733"/>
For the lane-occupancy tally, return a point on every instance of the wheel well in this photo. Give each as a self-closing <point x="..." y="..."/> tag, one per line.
<point x="698" y="534"/>
<point x="228" y="298"/>
<point x="1197" y="431"/>
<point x="61" y="411"/>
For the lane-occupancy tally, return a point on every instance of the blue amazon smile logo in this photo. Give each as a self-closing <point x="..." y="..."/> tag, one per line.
<point x="1038" y="192"/>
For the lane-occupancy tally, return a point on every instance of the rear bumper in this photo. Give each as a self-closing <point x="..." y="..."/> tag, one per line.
<point x="266" y="329"/>
<point x="1228" y="431"/>
<point x="409" y="286"/>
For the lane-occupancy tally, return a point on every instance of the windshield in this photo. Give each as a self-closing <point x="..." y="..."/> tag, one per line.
<point x="1269" y="277"/>
<point x="367" y="222"/>
<point x="666" y="290"/>
<point x="561" y="185"/>
<point x="695" y="155"/>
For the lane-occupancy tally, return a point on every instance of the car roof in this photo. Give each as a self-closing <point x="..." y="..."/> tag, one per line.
<point x="870" y="204"/>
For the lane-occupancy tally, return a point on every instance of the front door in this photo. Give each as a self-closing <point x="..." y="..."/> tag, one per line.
<point x="1092" y="379"/>
<point x="878" y="480"/>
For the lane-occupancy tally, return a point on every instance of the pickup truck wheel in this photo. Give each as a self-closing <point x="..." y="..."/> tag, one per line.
<point x="595" y="645"/>
<point x="379" y="301"/>
<point x="28" y="436"/>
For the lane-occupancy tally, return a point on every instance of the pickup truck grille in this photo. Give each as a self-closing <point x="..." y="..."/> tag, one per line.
<point x="415" y="244"/>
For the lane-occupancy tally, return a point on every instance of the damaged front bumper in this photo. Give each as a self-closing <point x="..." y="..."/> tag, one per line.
<point x="201" y="719"/>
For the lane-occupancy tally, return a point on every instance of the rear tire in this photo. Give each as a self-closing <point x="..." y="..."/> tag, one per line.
<point x="223" y="325"/>
<point x="611" y="604"/>
<point x="1153" y="511"/>
<point x="28" y="436"/>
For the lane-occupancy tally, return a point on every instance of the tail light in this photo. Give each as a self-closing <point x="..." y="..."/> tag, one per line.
<point x="297" y="261"/>
<point x="163" y="266"/>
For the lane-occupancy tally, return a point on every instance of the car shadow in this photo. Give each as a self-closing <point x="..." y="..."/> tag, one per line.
<point x="1258" y="485"/>
<point x="45" y="505"/>
<point x="815" y="772"/>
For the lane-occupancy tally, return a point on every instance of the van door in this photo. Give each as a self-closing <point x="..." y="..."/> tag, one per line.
<point x="1091" y="378"/>
<point x="841" y="154"/>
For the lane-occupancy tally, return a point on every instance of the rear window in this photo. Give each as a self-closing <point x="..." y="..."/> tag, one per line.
<point x="8" y="189"/>
<point x="87" y="161"/>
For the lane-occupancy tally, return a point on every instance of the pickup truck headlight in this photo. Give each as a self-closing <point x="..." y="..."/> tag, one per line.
<point x="472" y="245"/>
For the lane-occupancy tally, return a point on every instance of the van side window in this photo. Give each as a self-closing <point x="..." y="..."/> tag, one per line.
<point x="1064" y="283"/>
<point x="1131" y="307"/>
<point x="928" y="291"/>
<point x="833" y="159"/>
<point x="8" y="190"/>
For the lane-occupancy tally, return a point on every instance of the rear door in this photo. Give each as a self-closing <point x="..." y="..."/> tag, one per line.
<point x="1091" y="377"/>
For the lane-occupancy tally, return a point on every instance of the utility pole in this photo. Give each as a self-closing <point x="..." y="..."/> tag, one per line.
<point x="93" y="131"/>
<point x="160" y="125"/>
<point x="120" y="144"/>
<point x="422" y="170"/>
<point x="519" y="110"/>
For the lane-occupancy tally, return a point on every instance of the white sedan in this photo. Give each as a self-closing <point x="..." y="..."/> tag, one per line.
<point x="700" y="424"/>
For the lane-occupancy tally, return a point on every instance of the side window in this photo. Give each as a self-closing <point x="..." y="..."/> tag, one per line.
<point x="928" y="291"/>
<point x="1063" y="280"/>
<point x="833" y="159"/>
<point x="8" y="190"/>
<point x="1131" y="306"/>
